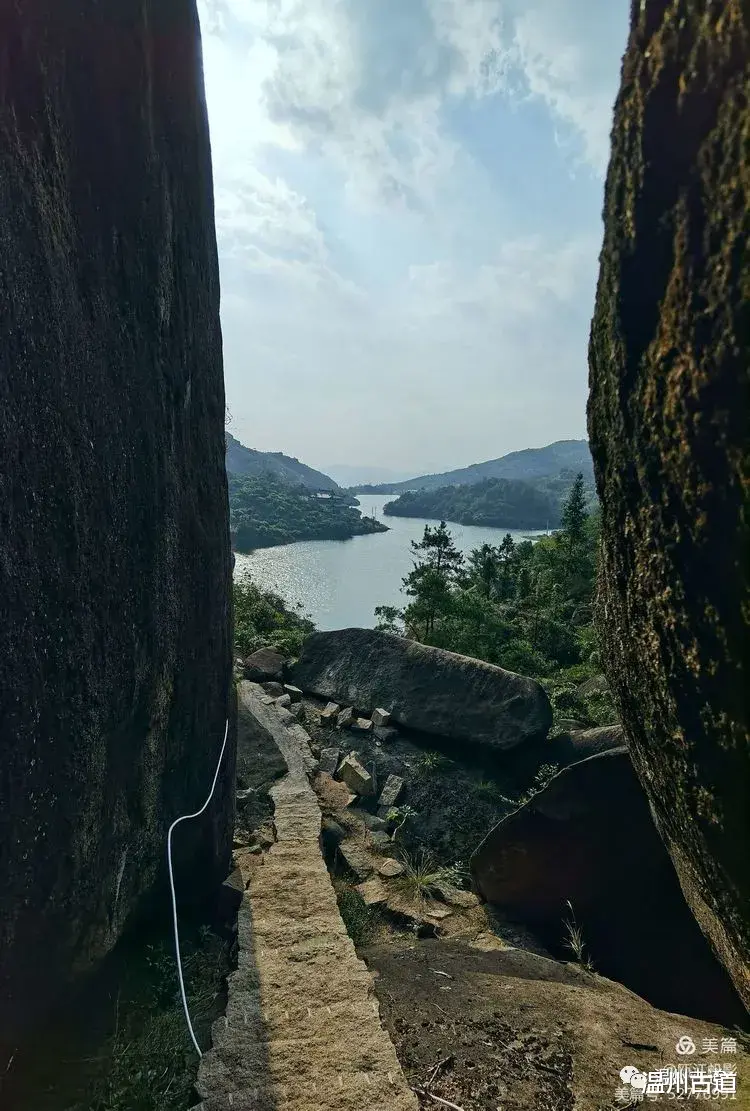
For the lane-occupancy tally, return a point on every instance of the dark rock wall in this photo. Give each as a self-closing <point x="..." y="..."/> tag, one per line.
<point x="668" y="423"/>
<point x="115" y="658"/>
<point x="588" y="840"/>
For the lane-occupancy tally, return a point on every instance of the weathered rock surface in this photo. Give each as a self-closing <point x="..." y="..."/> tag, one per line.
<point x="668" y="422"/>
<point x="115" y="654"/>
<point x="391" y="792"/>
<point x="424" y="688"/>
<point x="265" y="664"/>
<point x="329" y="760"/>
<point x="589" y="839"/>
<point x="330" y="712"/>
<point x="356" y="777"/>
<point x="570" y="748"/>
<point x="533" y="1034"/>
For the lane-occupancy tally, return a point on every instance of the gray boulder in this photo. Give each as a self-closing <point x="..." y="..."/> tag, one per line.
<point x="569" y="749"/>
<point x="264" y="664"/>
<point x="588" y="839"/>
<point x="425" y="688"/>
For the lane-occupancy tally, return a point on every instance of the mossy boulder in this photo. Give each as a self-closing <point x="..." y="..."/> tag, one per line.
<point x="668" y="423"/>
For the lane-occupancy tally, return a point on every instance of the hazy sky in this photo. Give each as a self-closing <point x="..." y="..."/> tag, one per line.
<point x="408" y="208"/>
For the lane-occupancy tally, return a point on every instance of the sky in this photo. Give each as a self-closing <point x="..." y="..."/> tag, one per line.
<point x="408" y="210"/>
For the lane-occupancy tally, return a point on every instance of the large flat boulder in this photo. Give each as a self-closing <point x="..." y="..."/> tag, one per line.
<point x="588" y="839"/>
<point x="424" y="688"/>
<point x="668" y="423"/>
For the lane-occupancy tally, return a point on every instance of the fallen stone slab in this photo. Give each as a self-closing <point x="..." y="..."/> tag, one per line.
<point x="330" y="712"/>
<point x="380" y="717"/>
<point x="355" y="858"/>
<point x="435" y="910"/>
<point x="362" y="725"/>
<point x="345" y="717"/>
<point x="266" y="663"/>
<point x="391" y="868"/>
<point x="329" y="760"/>
<point x="426" y="688"/>
<point x="455" y="897"/>
<point x="372" y="891"/>
<point x="356" y="777"/>
<point x="391" y="792"/>
<point x="294" y="692"/>
<point x="371" y="821"/>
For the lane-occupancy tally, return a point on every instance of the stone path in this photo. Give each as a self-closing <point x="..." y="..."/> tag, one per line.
<point x="302" y="1030"/>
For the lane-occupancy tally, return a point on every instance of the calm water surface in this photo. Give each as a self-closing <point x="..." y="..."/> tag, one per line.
<point x="340" y="582"/>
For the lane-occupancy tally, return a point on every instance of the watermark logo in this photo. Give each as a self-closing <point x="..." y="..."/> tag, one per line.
<point x="688" y="1081"/>
<point x="685" y="1046"/>
<point x="677" y="1082"/>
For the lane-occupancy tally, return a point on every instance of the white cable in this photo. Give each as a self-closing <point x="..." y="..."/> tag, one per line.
<point x="185" y="818"/>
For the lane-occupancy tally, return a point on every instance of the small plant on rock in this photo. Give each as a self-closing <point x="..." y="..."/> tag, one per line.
<point x="398" y="816"/>
<point x="574" y="940"/>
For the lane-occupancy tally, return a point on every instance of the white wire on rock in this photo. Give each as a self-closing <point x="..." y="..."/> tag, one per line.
<point x="186" y="818"/>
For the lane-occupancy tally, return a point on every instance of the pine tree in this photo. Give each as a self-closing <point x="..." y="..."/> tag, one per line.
<point x="436" y="570"/>
<point x="575" y="515"/>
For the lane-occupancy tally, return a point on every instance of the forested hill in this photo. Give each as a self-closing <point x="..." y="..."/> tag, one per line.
<point x="494" y="502"/>
<point x="266" y="511"/>
<point x="529" y="465"/>
<point x="245" y="460"/>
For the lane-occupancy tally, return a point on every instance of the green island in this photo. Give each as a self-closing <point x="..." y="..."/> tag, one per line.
<point x="266" y="511"/>
<point x="494" y="502"/>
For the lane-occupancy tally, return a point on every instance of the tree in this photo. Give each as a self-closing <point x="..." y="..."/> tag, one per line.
<point x="436" y="570"/>
<point x="483" y="568"/>
<point x="575" y="515"/>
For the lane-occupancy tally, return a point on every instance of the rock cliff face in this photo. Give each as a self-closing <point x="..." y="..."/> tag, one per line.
<point x="668" y="422"/>
<point x="115" y="655"/>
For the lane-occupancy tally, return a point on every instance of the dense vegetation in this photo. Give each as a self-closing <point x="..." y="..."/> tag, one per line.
<point x="265" y="511"/>
<point x="524" y="606"/>
<point x="496" y="503"/>
<point x="261" y="618"/>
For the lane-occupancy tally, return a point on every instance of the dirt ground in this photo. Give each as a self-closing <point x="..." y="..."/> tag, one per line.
<point x="513" y="1031"/>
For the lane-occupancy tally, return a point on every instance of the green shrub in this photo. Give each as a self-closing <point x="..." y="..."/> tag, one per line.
<point x="362" y="922"/>
<point x="262" y="618"/>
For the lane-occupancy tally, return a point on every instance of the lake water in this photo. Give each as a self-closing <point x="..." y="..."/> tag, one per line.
<point x="340" y="582"/>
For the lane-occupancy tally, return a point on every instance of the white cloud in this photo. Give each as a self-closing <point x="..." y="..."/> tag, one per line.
<point x="375" y="279"/>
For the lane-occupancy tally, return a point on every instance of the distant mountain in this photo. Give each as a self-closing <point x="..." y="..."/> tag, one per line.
<point x="243" y="460"/>
<point x="529" y="465"/>
<point x="352" y="474"/>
